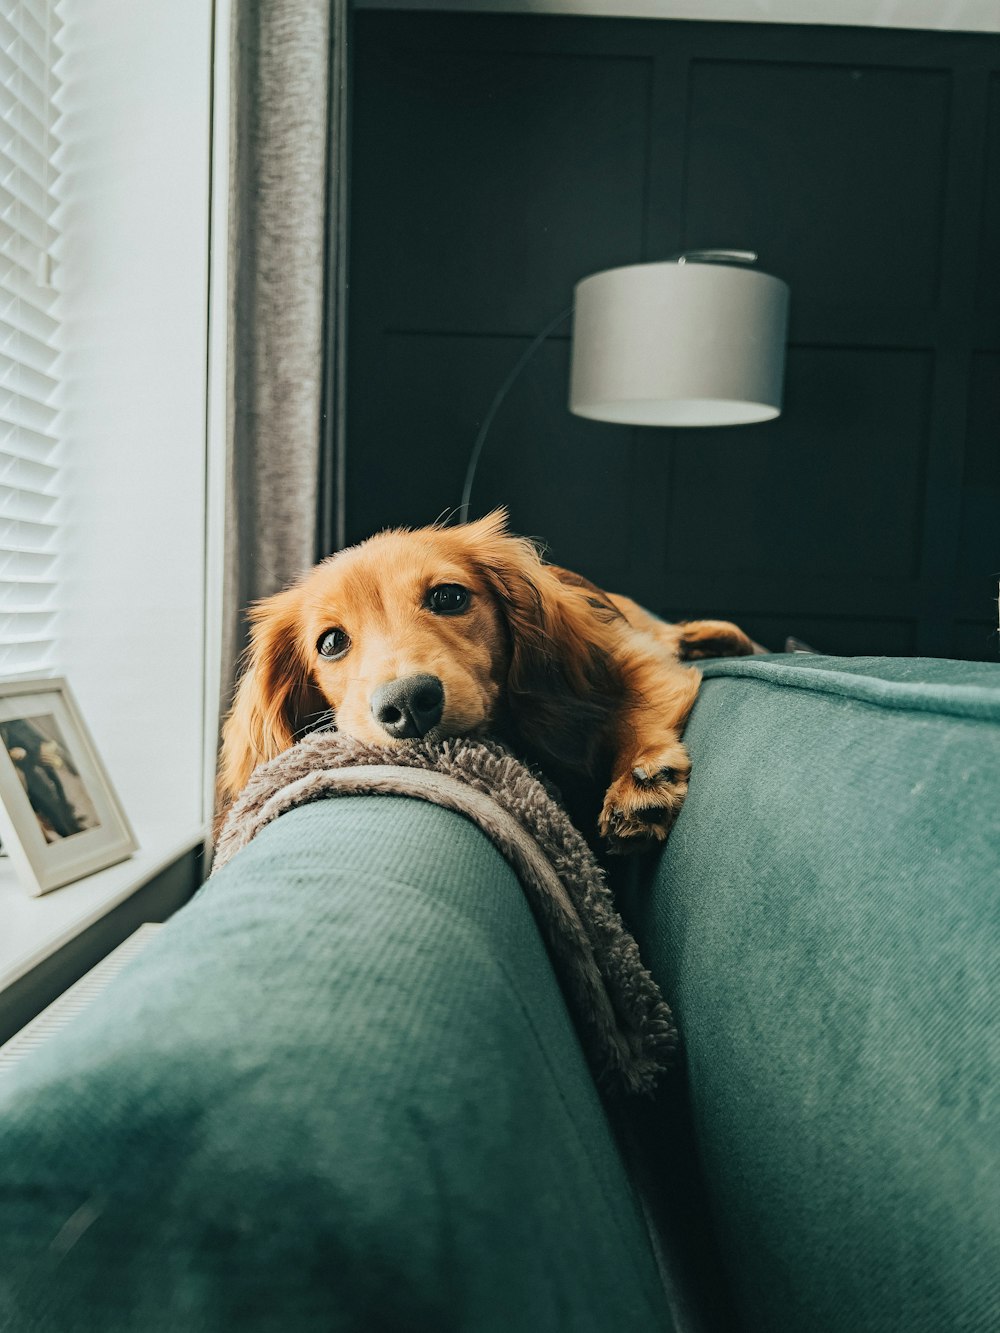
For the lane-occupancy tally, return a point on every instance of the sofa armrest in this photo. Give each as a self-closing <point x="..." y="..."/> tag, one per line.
<point x="340" y="1089"/>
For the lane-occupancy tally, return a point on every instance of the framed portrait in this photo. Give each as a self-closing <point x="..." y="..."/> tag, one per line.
<point x="59" y="816"/>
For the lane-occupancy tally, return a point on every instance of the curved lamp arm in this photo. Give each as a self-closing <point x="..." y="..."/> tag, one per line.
<point x="731" y="257"/>
<point x="501" y="394"/>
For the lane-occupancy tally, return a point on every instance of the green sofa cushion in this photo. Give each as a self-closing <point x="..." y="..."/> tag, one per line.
<point x="825" y="922"/>
<point x="339" y="1090"/>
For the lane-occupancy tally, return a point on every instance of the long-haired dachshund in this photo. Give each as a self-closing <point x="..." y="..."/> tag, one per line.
<point x="460" y="631"/>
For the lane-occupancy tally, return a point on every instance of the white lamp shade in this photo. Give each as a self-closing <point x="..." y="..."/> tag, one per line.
<point x="679" y="344"/>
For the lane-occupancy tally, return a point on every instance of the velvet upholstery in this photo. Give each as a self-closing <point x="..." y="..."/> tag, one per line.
<point x="825" y="921"/>
<point x="339" y="1090"/>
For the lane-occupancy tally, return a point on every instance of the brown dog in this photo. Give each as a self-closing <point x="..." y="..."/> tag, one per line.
<point x="460" y="631"/>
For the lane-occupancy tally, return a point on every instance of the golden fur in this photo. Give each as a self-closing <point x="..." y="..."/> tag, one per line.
<point x="584" y="683"/>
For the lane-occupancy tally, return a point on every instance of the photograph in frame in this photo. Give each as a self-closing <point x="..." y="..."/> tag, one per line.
<point x="60" y="819"/>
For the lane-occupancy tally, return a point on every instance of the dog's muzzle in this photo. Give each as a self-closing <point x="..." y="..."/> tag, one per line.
<point x="409" y="707"/>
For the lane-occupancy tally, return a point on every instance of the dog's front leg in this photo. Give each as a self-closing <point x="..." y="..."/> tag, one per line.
<point x="650" y="767"/>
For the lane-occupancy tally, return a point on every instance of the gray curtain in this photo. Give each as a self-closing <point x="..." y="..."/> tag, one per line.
<point x="288" y="64"/>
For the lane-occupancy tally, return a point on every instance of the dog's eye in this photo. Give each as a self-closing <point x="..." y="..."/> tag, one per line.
<point x="448" y="599"/>
<point x="334" y="643"/>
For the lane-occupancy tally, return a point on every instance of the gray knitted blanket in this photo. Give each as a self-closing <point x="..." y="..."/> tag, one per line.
<point x="624" y="1022"/>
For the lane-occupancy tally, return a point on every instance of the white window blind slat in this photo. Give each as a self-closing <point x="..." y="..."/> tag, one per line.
<point x="34" y="445"/>
<point x="20" y="631"/>
<point x="36" y="324"/>
<point x="29" y="591"/>
<point x="23" y="217"/>
<point x="22" y="659"/>
<point x="29" y="613"/>
<point x="22" y="259"/>
<point x="35" y="352"/>
<point x="26" y="81"/>
<point x="29" y="476"/>
<point x="21" y="263"/>
<point x="36" y="131"/>
<point x="32" y="23"/>
<point x="19" y="375"/>
<point x="21" y="186"/>
<point x="20" y="410"/>
<point x="36" y="15"/>
<point x="19" y="191"/>
<point x="16" y="153"/>
<point x="16" y="652"/>
<point x="26" y="473"/>
<point x="23" y="504"/>
<point x="28" y="77"/>
<point x="23" y="34"/>
<point x="16" y="565"/>
<point x="26" y="536"/>
<point x="25" y="625"/>
<point x="26" y="56"/>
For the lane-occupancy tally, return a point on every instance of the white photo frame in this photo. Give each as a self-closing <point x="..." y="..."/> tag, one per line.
<point x="59" y="816"/>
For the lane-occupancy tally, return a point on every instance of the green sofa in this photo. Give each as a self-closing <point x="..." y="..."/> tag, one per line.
<point x="341" y="1090"/>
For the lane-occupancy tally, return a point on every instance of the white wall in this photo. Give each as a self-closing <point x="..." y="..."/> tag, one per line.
<point x="133" y="274"/>
<point x="962" y="15"/>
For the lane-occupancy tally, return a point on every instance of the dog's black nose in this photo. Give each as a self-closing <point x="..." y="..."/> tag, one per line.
<point x="408" y="707"/>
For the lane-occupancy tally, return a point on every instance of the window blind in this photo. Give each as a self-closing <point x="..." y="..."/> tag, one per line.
<point x="29" y="49"/>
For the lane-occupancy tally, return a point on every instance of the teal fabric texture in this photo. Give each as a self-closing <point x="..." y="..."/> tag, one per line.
<point x="339" y="1090"/>
<point x="928" y="684"/>
<point x="825" y="921"/>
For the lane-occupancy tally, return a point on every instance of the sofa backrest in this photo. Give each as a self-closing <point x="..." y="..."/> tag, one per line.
<point x="825" y="920"/>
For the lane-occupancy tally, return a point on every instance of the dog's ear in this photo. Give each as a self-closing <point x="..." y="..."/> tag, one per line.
<point x="275" y="696"/>
<point x="562" y="688"/>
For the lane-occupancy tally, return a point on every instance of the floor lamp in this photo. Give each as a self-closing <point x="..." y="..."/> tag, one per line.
<point x="696" y="340"/>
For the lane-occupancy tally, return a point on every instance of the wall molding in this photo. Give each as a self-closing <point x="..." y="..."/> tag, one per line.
<point x="931" y="15"/>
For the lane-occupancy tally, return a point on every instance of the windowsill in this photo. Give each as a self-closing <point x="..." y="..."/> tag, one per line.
<point x="31" y="929"/>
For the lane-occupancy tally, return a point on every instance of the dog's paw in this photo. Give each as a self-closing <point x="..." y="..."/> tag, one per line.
<point x="640" y="806"/>
<point x="713" y="638"/>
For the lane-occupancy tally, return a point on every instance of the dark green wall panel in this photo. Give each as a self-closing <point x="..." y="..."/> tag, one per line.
<point x="795" y="156"/>
<point x="988" y="287"/>
<point x="778" y="496"/>
<point x="497" y="159"/>
<point x="852" y="635"/>
<point x="569" y="473"/>
<point x="979" y="560"/>
<point x="473" y="168"/>
<point x="977" y="640"/>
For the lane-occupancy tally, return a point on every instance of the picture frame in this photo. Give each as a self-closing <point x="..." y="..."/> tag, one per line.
<point x="60" y="818"/>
